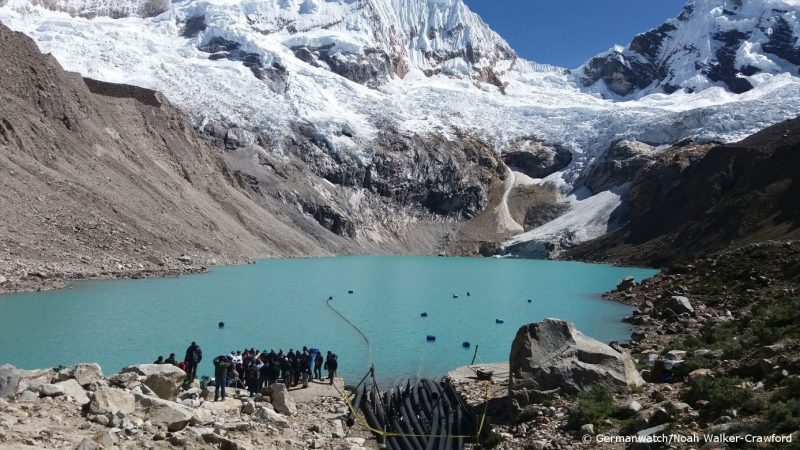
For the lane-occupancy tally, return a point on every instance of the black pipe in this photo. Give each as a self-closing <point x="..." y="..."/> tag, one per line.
<point x="434" y="430"/>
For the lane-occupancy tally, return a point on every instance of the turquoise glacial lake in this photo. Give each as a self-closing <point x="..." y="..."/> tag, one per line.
<point x="282" y="303"/>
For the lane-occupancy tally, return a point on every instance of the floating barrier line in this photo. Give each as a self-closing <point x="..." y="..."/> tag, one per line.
<point x="358" y="330"/>
<point x="360" y="416"/>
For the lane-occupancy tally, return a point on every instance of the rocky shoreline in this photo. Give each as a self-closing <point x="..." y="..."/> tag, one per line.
<point x="716" y="341"/>
<point x="152" y="406"/>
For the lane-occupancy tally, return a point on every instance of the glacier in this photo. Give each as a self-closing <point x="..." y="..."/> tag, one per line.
<point x="350" y="68"/>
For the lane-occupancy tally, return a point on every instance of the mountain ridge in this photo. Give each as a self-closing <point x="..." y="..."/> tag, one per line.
<point x="729" y="43"/>
<point x="408" y="106"/>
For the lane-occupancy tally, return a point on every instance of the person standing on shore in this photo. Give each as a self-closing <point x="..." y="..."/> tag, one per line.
<point x="331" y="364"/>
<point x="221" y="366"/>
<point x="318" y="360"/>
<point x="193" y="357"/>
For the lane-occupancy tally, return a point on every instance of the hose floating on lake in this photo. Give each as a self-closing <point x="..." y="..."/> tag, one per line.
<point x="358" y="330"/>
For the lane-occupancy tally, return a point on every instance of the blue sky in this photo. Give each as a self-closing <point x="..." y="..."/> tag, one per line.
<point x="568" y="32"/>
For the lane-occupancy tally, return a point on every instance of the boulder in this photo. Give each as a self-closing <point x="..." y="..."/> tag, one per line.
<point x="202" y="417"/>
<point x="680" y="304"/>
<point x="281" y="400"/>
<point x="145" y="370"/>
<point x="270" y="417"/>
<point x="47" y="389"/>
<point x="675" y="355"/>
<point x="634" y="406"/>
<point x="86" y="374"/>
<point x="553" y="355"/>
<point x="172" y="415"/>
<point x="108" y="400"/>
<point x="166" y="384"/>
<point x="29" y="397"/>
<point x="223" y="443"/>
<point x="88" y="444"/>
<point x="626" y="283"/>
<point x="9" y="381"/>
<point x="229" y="406"/>
<point x="74" y="391"/>
<point x="248" y="407"/>
<point x="127" y="380"/>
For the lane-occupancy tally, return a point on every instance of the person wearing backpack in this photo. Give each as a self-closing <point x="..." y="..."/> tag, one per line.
<point x="331" y="364"/>
<point x="193" y="357"/>
<point x="221" y="366"/>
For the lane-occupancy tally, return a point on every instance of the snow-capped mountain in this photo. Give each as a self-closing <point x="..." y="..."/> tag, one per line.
<point x="736" y="44"/>
<point x="392" y="103"/>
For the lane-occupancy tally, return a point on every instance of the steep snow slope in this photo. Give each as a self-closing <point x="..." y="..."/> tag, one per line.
<point x="223" y="60"/>
<point x="340" y="73"/>
<point x="735" y="44"/>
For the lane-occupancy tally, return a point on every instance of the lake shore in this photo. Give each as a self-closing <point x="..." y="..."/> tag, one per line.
<point x="149" y="406"/>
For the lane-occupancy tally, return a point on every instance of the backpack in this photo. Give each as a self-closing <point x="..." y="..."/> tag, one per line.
<point x="198" y="355"/>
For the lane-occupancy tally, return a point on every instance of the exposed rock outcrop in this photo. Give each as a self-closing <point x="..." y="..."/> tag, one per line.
<point x="697" y="199"/>
<point x="552" y="355"/>
<point x="617" y="166"/>
<point x="738" y="42"/>
<point x="536" y="158"/>
<point x="9" y="381"/>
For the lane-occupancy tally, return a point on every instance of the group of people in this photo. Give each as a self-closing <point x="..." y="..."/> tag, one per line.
<point x="190" y="361"/>
<point x="253" y="369"/>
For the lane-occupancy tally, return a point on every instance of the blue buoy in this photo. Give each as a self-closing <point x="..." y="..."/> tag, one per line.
<point x="465" y="344"/>
<point x="498" y="321"/>
<point x="222" y="324"/>
<point x="431" y="338"/>
<point x="424" y="315"/>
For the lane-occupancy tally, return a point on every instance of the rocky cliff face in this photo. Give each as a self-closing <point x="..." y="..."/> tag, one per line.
<point x="728" y="43"/>
<point x="619" y="165"/>
<point x="100" y="179"/>
<point x="696" y="199"/>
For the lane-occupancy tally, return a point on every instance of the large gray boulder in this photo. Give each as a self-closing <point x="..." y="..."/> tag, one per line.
<point x="680" y="304"/>
<point x="163" y="379"/>
<point x="166" y="384"/>
<point x="9" y="381"/>
<point x="108" y="400"/>
<point x="281" y="400"/>
<point x="146" y="370"/>
<point x="86" y="374"/>
<point x="74" y="391"/>
<point x="552" y="355"/>
<point x="172" y="415"/>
